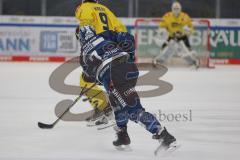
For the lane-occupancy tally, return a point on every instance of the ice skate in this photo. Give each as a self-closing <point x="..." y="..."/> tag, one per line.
<point x="155" y="63"/>
<point x="197" y="63"/>
<point x="123" y="141"/>
<point x="167" y="142"/>
<point x="100" y="117"/>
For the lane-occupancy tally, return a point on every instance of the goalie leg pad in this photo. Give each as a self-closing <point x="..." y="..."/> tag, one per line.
<point x="188" y="55"/>
<point x="166" y="53"/>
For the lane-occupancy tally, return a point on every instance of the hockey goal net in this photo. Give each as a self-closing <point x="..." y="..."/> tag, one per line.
<point x="150" y="37"/>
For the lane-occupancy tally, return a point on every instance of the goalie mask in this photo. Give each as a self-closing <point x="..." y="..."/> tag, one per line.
<point x="85" y="33"/>
<point x="176" y="9"/>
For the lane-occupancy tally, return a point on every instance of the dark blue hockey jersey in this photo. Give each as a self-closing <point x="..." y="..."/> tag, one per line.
<point x="99" y="51"/>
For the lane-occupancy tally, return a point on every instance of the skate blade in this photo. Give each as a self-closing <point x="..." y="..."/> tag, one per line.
<point x="174" y="146"/>
<point x="105" y="126"/>
<point x="125" y="148"/>
<point x="97" y="122"/>
<point x="93" y="124"/>
<point x="164" y="151"/>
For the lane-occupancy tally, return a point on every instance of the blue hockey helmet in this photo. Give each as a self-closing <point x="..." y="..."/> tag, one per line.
<point x="85" y="33"/>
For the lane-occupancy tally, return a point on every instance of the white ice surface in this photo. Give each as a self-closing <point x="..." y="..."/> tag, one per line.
<point x="213" y="95"/>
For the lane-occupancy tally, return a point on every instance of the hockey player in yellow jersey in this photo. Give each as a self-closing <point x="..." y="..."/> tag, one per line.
<point x="90" y="12"/>
<point x="177" y="21"/>
<point x="100" y="17"/>
<point x="179" y="27"/>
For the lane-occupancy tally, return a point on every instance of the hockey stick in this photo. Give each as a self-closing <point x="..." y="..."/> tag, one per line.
<point x="50" y="126"/>
<point x="90" y="98"/>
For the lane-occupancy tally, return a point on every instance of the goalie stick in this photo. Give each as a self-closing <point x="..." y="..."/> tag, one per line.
<point x="50" y="126"/>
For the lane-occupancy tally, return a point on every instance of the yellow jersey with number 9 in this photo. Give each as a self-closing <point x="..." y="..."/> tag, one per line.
<point x="98" y="16"/>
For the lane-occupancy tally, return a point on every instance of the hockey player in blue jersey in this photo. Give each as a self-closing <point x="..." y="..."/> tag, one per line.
<point x="109" y="59"/>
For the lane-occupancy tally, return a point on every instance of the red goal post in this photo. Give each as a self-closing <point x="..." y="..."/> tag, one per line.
<point x="149" y="40"/>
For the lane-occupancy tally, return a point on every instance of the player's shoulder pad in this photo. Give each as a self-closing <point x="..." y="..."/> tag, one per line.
<point x="117" y="36"/>
<point x="109" y="35"/>
<point x="81" y="7"/>
<point x="125" y="36"/>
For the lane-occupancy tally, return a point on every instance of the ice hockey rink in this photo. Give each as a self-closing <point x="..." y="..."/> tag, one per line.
<point x="212" y="95"/>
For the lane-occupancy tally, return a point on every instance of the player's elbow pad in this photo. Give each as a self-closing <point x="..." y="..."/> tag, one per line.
<point x="126" y="41"/>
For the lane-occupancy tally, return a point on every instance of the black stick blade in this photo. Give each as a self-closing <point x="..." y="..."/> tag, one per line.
<point x="45" y="126"/>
